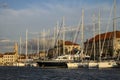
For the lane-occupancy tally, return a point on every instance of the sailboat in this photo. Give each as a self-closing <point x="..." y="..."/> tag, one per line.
<point x="93" y="64"/>
<point x="60" y="61"/>
<point x="78" y="64"/>
<point x="19" y="63"/>
<point x="109" y="63"/>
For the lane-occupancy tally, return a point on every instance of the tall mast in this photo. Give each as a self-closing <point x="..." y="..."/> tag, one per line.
<point x="26" y="43"/>
<point x="114" y="28"/>
<point x="56" y="38"/>
<point x="114" y="20"/>
<point x="38" y="43"/>
<point x="94" y="34"/>
<point x="63" y="25"/>
<point x="20" y="48"/>
<point x="99" y="37"/>
<point x="82" y="31"/>
<point x="44" y="42"/>
<point x="20" y="44"/>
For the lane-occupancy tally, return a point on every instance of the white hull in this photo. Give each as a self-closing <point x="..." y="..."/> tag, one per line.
<point x="19" y="64"/>
<point x="72" y="65"/>
<point x="85" y="64"/>
<point x="107" y="64"/>
<point x="104" y="64"/>
<point x="92" y="65"/>
<point x="75" y="65"/>
<point x="34" y="64"/>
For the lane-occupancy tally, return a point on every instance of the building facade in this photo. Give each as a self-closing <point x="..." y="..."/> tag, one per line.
<point x="103" y="45"/>
<point x="61" y="48"/>
<point x="69" y="46"/>
<point x="9" y="58"/>
<point x="1" y="59"/>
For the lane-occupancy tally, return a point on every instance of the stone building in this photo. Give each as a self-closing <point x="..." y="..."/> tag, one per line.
<point x="10" y="57"/>
<point x="1" y="59"/>
<point x="103" y="45"/>
<point x="69" y="46"/>
<point x="63" y="48"/>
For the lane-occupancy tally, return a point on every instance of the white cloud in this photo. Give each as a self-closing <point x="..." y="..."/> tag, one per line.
<point x="5" y="40"/>
<point x="35" y="18"/>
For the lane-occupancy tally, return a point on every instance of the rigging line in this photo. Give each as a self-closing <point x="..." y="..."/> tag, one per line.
<point x="106" y="29"/>
<point x="58" y="34"/>
<point x="77" y="32"/>
<point x="87" y="45"/>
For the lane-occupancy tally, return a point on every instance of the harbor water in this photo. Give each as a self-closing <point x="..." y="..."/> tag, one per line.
<point x="35" y="73"/>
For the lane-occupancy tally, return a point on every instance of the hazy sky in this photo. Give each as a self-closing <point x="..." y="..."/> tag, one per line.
<point x="35" y="15"/>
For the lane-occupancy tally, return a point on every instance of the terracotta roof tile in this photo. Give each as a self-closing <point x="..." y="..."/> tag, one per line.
<point x="1" y="55"/>
<point x="9" y="53"/>
<point x="108" y="35"/>
<point x="70" y="43"/>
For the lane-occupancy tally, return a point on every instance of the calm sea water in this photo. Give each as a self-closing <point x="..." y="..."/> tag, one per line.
<point x="31" y="73"/>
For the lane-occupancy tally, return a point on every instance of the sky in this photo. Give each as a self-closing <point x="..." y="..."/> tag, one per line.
<point x="37" y="15"/>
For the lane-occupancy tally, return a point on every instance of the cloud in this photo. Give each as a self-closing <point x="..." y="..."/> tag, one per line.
<point x="13" y="22"/>
<point x="6" y="45"/>
<point x="38" y="16"/>
<point x="4" y="40"/>
<point x="3" y="5"/>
